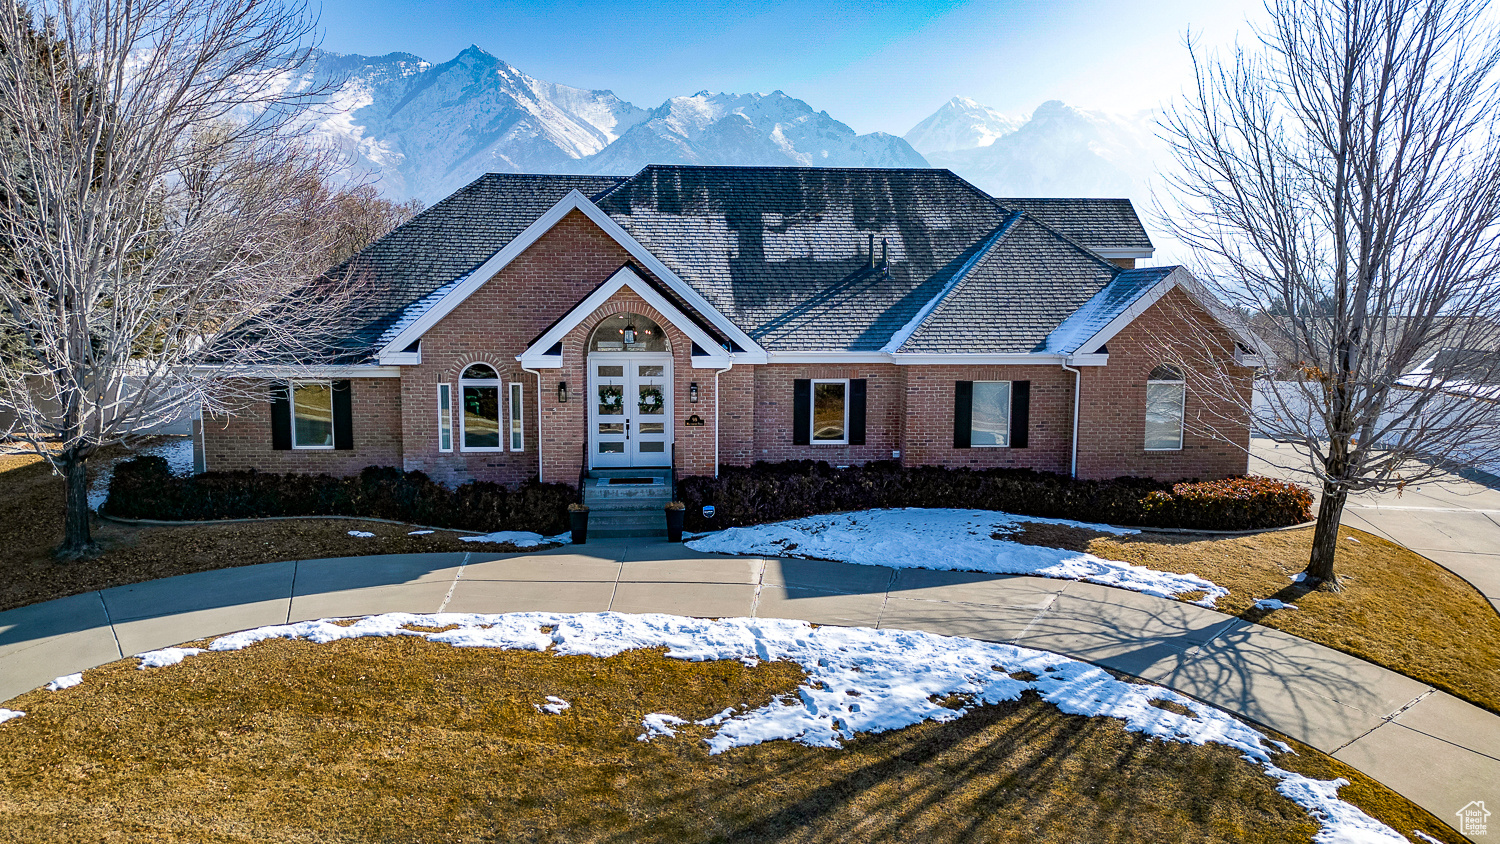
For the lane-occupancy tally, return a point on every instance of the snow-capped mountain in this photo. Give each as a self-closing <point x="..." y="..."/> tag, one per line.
<point x="1064" y="151"/>
<point x="961" y="123"/>
<point x="746" y="129"/>
<point x="423" y="130"/>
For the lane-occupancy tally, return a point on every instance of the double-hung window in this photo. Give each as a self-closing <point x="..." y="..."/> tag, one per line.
<point x="1166" y="393"/>
<point x="989" y="419"/>
<point x="312" y="415"/>
<point x="517" y="428"/>
<point x="479" y="392"/>
<point x="830" y="412"/>
<point x="991" y="414"/>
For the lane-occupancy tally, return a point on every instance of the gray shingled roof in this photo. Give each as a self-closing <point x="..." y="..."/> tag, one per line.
<point x="1095" y="223"/>
<point x="1024" y="285"/>
<point x="785" y="252"/>
<point x="448" y="241"/>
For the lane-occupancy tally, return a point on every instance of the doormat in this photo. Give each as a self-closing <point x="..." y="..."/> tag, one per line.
<point x="613" y="481"/>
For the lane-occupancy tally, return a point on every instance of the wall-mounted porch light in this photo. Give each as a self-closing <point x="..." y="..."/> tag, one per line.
<point x="693" y="392"/>
<point x="562" y="392"/>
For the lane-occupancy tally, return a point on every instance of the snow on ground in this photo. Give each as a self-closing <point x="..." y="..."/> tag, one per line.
<point x="362" y="534"/>
<point x="1273" y="604"/>
<point x="518" y="538"/>
<point x="858" y="680"/>
<point x="65" y="682"/>
<point x="554" y="705"/>
<point x="178" y="452"/>
<point x="165" y="657"/>
<point x="418" y="532"/>
<point x="8" y="714"/>
<point x="960" y="540"/>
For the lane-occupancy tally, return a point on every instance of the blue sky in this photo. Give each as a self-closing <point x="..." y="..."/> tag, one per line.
<point x="874" y="65"/>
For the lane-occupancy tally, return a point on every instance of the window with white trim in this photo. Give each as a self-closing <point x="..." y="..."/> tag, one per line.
<point x="479" y="390"/>
<point x="445" y="417"/>
<point x="989" y="420"/>
<point x="1166" y="396"/>
<point x="830" y="412"/>
<point x="312" y="415"/>
<point x="517" y="427"/>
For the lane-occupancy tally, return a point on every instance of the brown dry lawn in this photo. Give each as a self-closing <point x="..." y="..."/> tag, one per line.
<point x="31" y="500"/>
<point x="400" y="740"/>
<point x="1398" y="609"/>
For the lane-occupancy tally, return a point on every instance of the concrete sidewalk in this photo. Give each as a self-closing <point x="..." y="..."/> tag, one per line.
<point x="1450" y="520"/>
<point x="1436" y="750"/>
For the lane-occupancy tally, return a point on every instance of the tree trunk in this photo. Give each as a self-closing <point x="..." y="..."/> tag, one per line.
<point x="78" y="538"/>
<point x="1319" y="571"/>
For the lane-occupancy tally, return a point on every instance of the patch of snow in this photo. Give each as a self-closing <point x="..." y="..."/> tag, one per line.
<point x="1425" y="837"/>
<point x="65" y="682"/>
<point x="178" y="452"/>
<point x="554" y="705"/>
<point x="1352" y="539"/>
<point x="1273" y="604"/>
<point x="418" y="532"/>
<point x="8" y="714"/>
<point x="659" y="724"/>
<point x="362" y="534"/>
<point x="1300" y="577"/>
<point x="165" y="657"/>
<point x="518" y="538"/>
<point x="954" y="540"/>
<point x="562" y="538"/>
<point x="859" y="680"/>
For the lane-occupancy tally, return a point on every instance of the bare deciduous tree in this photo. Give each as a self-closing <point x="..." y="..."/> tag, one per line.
<point x="1340" y="186"/>
<point x="146" y="183"/>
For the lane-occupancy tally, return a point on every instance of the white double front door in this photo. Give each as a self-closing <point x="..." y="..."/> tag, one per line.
<point x="630" y="409"/>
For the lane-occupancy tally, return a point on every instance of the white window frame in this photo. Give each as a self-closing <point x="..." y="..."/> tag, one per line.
<point x="1181" y="411"/>
<point x="516" y="419"/>
<point x="812" y="411"/>
<point x="291" y="395"/>
<point x="445" y="425"/>
<point x="463" y="382"/>
<point x="1010" y="403"/>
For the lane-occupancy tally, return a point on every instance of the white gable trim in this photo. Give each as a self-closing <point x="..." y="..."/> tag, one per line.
<point x="574" y="201"/>
<point x="1179" y="277"/>
<point x="536" y="357"/>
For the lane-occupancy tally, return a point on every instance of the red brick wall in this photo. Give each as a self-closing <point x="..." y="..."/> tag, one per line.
<point x="929" y="418"/>
<point x="243" y="441"/>
<point x="1112" y="417"/>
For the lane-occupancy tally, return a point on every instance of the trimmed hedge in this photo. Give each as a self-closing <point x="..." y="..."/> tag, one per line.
<point x="772" y="492"/>
<point x="144" y="488"/>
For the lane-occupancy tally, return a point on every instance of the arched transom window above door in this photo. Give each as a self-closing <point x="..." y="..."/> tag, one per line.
<point x="628" y="333"/>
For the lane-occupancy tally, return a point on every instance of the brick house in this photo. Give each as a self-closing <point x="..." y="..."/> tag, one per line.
<point x="696" y="317"/>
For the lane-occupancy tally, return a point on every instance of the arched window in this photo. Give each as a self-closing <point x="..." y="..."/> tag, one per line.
<point x="628" y="333"/>
<point x="1166" y="395"/>
<point x="479" y="388"/>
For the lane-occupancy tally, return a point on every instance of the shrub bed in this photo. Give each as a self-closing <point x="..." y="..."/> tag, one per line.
<point x="144" y="488"/>
<point x="771" y="492"/>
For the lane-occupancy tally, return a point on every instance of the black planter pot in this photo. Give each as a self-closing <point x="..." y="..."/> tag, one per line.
<point x="674" y="525"/>
<point x="579" y="520"/>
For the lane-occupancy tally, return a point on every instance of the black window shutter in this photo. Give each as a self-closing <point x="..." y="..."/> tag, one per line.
<point x="281" y="418"/>
<point x="343" y="417"/>
<point x="963" y="412"/>
<point x="1020" y="413"/>
<point x="802" y="411"/>
<point x="857" y="411"/>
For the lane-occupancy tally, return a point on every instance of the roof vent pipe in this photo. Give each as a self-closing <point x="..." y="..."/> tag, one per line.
<point x="871" y="251"/>
<point x="883" y="253"/>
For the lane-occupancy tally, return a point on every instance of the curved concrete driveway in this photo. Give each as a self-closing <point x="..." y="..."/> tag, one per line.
<point x="1435" y="749"/>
